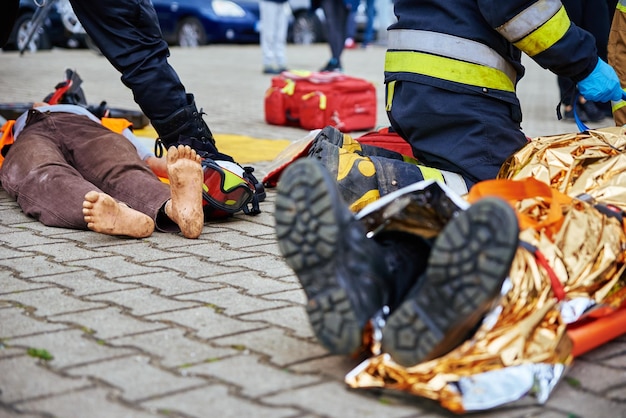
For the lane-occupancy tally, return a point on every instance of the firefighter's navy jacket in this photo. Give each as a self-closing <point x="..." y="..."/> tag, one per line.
<point x="463" y="61"/>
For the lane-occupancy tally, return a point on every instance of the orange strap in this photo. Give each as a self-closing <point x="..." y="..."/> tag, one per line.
<point x="116" y="124"/>
<point x="529" y="188"/>
<point x="6" y="137"/>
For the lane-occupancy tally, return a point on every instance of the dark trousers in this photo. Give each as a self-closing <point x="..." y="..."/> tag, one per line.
<point x="129" y="36"/>
<point x="336" y="14"/>
<point x="463" y="133"/>
<point x="59" y="157"/>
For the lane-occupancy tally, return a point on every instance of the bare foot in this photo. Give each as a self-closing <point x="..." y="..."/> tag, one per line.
<point x="103" y="214"/>
<point x="185" y="174"/>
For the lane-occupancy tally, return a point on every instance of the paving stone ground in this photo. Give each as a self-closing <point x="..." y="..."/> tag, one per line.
<point x="213" y="327"/>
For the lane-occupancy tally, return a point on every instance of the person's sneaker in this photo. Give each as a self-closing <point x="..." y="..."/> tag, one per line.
<point x="349" y="43"/>
<point x="468" y="264"/>
<point x="333" y="65"/>
<point x="268" y="69"/>
<point x="343" y="273"/>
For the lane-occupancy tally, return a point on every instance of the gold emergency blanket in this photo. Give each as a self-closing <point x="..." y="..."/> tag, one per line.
<point x="591" y="163"/>
<point x="571" y="261"/>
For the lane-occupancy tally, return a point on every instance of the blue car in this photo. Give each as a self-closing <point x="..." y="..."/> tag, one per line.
<point x="60" y="27"/>
<point x="199" y="22"/>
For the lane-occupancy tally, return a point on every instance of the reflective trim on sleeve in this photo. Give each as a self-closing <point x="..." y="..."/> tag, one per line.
<point x="621" y="5"/>
<point x="546" y="36"/>
<point x="529" y="19"/>
<point x="450" y="46"/>
<point x="448" y="69"/>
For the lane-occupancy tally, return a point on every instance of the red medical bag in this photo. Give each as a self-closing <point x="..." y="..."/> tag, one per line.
<point x="313" y="100"/>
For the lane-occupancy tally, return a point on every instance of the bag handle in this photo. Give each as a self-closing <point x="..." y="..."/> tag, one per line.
<point x="515" y="191"/>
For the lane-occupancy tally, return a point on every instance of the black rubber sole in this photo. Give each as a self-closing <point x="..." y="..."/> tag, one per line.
<point x="468" y="263"/>
<point x="307" y="227"/>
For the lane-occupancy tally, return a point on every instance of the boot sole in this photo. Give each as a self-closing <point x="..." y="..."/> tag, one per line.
<point x="308" y="232"/>
<point x="468" y="263"/>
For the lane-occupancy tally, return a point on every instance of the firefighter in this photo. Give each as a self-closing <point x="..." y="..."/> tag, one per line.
<point x="129" y="36"/>
<point x="452" y="67"/>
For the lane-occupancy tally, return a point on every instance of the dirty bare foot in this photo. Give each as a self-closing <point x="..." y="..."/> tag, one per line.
<point x="105" y="215"/>
<point x="185" y="175"/>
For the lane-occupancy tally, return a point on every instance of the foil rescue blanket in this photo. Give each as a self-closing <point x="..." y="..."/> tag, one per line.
<point x="568" y="267"/>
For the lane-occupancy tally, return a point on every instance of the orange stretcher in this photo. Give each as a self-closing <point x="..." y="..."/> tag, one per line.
<point x="592" y="333"/>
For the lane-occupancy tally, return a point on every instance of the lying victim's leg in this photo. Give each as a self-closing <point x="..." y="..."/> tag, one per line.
<point x="185" y="175"/>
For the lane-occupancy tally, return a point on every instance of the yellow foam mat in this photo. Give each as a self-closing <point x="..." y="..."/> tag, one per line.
<point x="244" y="149"/>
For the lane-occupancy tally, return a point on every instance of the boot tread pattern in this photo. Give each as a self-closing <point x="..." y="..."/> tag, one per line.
<point x="467" y="266"/>
<point x="307" y="231"/>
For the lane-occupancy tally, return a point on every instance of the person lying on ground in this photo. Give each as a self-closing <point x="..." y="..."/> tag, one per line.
<point x="432" y="292"/>
<point x="67" y="170"/>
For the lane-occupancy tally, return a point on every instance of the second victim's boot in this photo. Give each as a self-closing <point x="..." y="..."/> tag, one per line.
<point x="468" y="263"/>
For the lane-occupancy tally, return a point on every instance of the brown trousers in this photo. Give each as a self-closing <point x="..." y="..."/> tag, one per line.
<point x="59" y="157"/>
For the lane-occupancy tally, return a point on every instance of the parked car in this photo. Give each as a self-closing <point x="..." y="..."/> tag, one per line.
<point x="199" y="22"/>
<point x="60" y="28"/>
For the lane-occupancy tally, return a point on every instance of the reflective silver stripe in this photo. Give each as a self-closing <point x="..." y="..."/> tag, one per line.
<point x="529" y="20"/>
<point x="449" y="46"/>
<point x="455" y="181"/>
<point x="622" y="3"/>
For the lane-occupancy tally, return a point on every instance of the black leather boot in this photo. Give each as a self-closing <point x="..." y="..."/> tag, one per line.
<point x="468" y="263"/>
<point x="347" y="277"/>
<point x="186" y="127"/>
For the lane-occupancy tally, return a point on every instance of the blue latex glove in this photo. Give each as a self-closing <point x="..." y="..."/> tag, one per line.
<point x="602" y="85"/>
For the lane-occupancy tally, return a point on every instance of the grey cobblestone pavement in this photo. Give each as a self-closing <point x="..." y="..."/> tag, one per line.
<point x="213" y="327"/>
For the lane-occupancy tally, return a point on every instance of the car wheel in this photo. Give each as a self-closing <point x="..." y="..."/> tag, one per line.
<point x="39" y="41"/>
<point x="190" y="33"/>
<point x="305" y="29"/>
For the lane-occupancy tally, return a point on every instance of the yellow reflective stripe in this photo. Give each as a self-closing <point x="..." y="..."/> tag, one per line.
<point x="450" y="46"/>
<point x="447" y="69"/>
<point x="430" y="173"/>
<point x="618" y="105"/>
<point x="621" y="6"/>
<point x="366" y="199"/>
<point x="391" y="86"/>
<point x="529" y="19"/>
<point x="546" y="35"/>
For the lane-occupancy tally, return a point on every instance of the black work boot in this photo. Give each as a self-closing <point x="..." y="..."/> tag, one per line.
<point x="186" y="127"/>
<point x="346" y="276"/>
<point x="469" y="261"/>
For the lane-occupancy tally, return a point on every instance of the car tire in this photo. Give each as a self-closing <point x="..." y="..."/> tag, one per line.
<point x="41" y="41"/>
<point x="306" y="29"/>
<point x="190" y="33"/>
